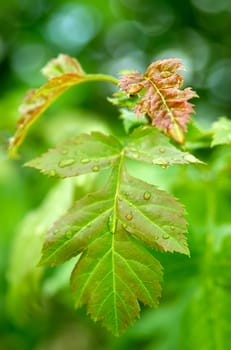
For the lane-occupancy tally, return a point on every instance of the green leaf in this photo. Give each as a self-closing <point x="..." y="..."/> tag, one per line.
<point x="207" y="320"/>
<point x="130" y="120"/>
<point x="83" y="154"/>
<point x="206" y="324"/>
<point x="152" y="215"/>
<point x="112" y="276"/>
<point x="149" y="145"/>
<point x="107" y="227"/>
<point x="221" y="130"/>
<point x="23" y="273"/>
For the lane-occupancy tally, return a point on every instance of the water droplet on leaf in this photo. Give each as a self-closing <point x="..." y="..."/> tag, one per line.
<point x="165" y="236"/>
<point x="64" y="151"/>
<point x="85" y="160"/>
<point x="66" y="162"/>
<point x="189" y="158"/>
<point x="110" y="223"/>
<point x="52" y="172"/>
<point x="95" y="168"/>
<point x="68" y="234"/>
<point x="55" y="232"/>
<point x="147" y="195"/>
<point x="162" y="150"/>
<point x="135" y="155"/>
<point x="129" y="216"/>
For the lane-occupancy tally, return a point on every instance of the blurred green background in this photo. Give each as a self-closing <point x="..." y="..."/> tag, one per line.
<point x="107" y="37"/>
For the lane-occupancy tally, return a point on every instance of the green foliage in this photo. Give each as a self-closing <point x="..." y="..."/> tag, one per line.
<point x="221" y="130"/>
<point x="116" y="233"/>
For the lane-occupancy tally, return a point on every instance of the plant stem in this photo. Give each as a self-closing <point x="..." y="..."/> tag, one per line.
<point x="101" y="77"/>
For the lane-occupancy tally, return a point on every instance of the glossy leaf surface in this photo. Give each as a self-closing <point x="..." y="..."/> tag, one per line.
<point x="116" y="270"/>
<point x="83" y="154"/>
<point x="150" y="146"/>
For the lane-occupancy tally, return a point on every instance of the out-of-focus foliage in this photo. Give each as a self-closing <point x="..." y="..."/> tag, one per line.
<point x="109" y="37"/>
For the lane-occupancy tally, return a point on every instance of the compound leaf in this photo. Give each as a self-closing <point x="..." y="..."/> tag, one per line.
<point x="82" y="154"/>
<point x="149" y="145"/>
<point x="108" y="228"/>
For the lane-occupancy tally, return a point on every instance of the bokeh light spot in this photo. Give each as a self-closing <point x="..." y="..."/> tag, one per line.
<point x="72" y="26"/>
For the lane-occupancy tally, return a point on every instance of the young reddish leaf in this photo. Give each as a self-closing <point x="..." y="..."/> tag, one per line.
<point x="65" y="72"/>
<point x="160" y="97"/>
<point x="148" y="145"/>
<point x="80" y="155"/>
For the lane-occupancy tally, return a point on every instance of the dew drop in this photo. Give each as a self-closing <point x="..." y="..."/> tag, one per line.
<point x="147" y="195"/>
<point x="110" y="223"/>
<point x="124" y="226"/>
<point x="64" y="151"/>
<point x="84" y="160"/>
<point x="55" y="232"/>
<point x="129" y="216"/>
<point x="135" y="155"/>
<point x="165" y="236"/>
<point x="68" y="234"/>
<point x="172" y="228"/>
<point x="189" y="158"/>
<point x="52" y="172"/>
<point x="162" y="150"/>
<point x="95" y="168"/>
<point x="66" y="162"/>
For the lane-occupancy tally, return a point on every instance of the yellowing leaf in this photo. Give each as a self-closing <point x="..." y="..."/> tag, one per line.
<point x="38" y="100"/>
<point x="64" y="72"/>
<point x="63" y="64"/>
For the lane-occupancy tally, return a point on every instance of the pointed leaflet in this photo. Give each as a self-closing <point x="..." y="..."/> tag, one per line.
<point x="82" y="154"/>
<point x="65" y="72"/>
<point x="160" y="96"/>
<point x="152" y="215"/>
<point x="115" y="271"/>
<point x="149" y="145"/>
